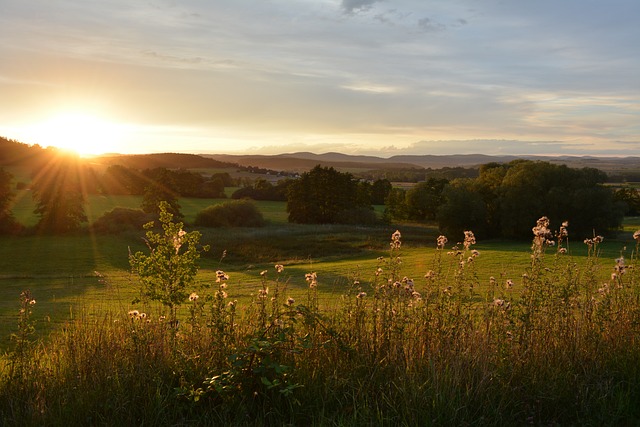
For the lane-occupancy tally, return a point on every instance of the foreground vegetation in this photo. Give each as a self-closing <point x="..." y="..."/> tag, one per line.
<point x="555" y="344"/>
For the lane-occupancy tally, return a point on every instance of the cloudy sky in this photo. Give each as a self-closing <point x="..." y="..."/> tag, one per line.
<point x="357" y="76"/>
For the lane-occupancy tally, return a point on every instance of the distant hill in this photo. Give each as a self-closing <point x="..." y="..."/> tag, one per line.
<point x="304" y="161"/>
<point x="162" y="160"/>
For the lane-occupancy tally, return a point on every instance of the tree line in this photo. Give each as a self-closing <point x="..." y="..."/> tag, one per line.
<point x="502" y="201"/>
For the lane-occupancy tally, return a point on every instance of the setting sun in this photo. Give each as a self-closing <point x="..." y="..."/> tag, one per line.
<point x="82" y="133"/>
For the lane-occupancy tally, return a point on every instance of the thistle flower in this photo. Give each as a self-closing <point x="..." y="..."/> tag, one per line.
<point x="134" y="313"/>
<point x="263" y="273"/>
<point x="32" y="302"/>
<point x="193" y="297"/>
<point x="361" y="295"/>
<point x="395" y="240"/>
<point x="430" y="274"/>
<point x="441" y="241"/>
<point x="262" y="293"/>
<point x="290" y="301"/>
<point x="469" y="239"/>
<point x="279" y="268"/>
<point x="221" y="276"/>
<point x="509" y="283"/>
<point x="636" y="236"/>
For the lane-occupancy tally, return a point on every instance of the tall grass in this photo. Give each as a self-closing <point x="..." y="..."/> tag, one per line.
<point x="554" y="345"/>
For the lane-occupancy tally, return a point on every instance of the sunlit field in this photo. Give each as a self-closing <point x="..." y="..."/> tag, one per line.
<point x="355" y="327"/>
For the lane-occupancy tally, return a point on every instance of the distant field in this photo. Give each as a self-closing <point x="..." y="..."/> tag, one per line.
<point x="97" y="205"/>
<point x="61" y="271"/>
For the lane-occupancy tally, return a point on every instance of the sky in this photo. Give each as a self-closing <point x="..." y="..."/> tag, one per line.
<point x="375" y="77"/>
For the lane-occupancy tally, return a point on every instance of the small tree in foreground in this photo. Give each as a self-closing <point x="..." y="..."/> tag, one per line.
<point x="170" y="268"/>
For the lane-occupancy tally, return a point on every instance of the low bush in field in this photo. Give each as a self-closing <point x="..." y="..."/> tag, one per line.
<point x="554" y="346"/>
<point x="236" y="213"/>
<point x="120" y="219"/>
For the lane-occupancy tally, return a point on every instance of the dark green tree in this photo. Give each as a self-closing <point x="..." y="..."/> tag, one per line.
<point x="379" y="191"/>
<point x="464" y="209"/>
<point x="424" y="199"/>
<point x="631" y="198"/>
<point x="60" y="195"/>
<point x="321" y="195"/>
<point x="515" y="195"/>
<point x="8" y="223"/>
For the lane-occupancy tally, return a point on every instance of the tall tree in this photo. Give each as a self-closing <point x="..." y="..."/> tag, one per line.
<point x="8" y="223"/>
<point x="320" y="195"/>
<point x="60" y="194"/>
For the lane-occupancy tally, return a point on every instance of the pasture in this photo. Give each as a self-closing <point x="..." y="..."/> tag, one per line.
<point x="91" y="271"/>
<point x="354" y="350"/>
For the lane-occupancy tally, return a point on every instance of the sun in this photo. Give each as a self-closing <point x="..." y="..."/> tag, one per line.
<point x="79" y="132"/>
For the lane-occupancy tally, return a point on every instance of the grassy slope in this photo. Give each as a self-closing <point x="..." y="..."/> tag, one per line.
<point x="60" y="271"/>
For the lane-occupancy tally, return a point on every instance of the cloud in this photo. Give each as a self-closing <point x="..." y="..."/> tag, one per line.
<point x="428" y="25"/>
<point x="351" y="6"/>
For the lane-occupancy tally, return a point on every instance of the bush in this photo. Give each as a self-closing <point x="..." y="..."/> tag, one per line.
<point x="235" y="213"/>
<point x="119" y="219"/>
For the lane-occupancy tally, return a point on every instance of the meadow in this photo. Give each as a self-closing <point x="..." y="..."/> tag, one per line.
<point x="499" y="336"/>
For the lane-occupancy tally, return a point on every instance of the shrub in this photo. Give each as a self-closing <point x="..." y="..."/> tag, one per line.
<point x="119" y="219"/>
<point x="235" y="213"/>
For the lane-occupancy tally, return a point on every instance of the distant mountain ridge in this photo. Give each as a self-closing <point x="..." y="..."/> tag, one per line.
<point x="302" y="161"/>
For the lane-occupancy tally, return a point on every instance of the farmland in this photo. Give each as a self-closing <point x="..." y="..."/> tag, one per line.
<point x="82" y="289"/>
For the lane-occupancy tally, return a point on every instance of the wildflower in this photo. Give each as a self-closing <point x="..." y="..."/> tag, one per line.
<point x="143" y="315"/>
<point x="380" y="258"/>
<point x="416" y="295"/>
<point x="263" y="273"/>
<point x="498" y="302"/>
<point x="562" y="250"/>
<point x="492" y="281"/>
<point x="193" y="297"/>
<point x="221" y="294"/>
<point x="361" y="295"/>
<point x="378" y="271"/>
<point x="232" y="304"/>
<point x="161" y="318"/>
<point x="177" y="240"/>
<point x="221" y="276"/>
<point x="32" y="302"/>
<point x="356" y="283"/>
<point x="441" y="241"/>
<point x="134" y="313"/>
<point x="475" y="253"/>
<point x="509" y="283"/>
<point x="469" y="239"/>
<point x="395" y="240"/>
<point x="279" y="268"/>
<point x="290" y="301"/>
<point x="636" y="236"/>
<point x="262" y="293"/>
<point x="430" y="274"/>
<point x="223" y="286"/>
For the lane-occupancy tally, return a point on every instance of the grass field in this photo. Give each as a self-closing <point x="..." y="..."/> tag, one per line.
<point x="458" y="354"/>
<point x="61" y="271"/>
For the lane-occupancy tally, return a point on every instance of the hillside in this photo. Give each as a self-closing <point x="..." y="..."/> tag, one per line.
<point x="303" y="161"/>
